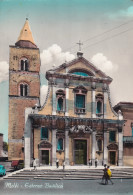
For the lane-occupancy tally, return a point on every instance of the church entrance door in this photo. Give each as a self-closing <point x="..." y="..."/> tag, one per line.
<point x="45" y="157"/>
<point x="112" y="157"/>
<point x="80" y="152"/>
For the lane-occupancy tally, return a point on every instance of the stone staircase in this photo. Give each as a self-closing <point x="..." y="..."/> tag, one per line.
<point x="41" y="174"/>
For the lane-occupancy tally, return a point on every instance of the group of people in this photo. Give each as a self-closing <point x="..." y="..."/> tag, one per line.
<point x="57" y="164"/>
<point x="90" y="162"/>
<point x="106" y="175"/>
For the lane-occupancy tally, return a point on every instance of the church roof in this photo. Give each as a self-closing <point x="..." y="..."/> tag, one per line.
<point x="92" y="68"/>
<point x="26" y="34"/>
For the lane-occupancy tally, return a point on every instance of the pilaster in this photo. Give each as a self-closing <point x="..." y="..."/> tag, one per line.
<point x="105" y="150"/>
<point x="93" y="147"/>
<point x="120" y="148"/>
<point x="53" y="147"/>
<point x="93" y="94"/>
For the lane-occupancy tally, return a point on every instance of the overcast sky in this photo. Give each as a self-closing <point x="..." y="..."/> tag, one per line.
<point x="104" y="26"/>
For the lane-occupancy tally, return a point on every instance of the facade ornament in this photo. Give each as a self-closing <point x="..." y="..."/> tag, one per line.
<point x="93" y="85"/>
<point x="120" y="116"/>
<point x="83" y="128"/>
<point x="105" y="87"/>
<point x="112" y="146"/>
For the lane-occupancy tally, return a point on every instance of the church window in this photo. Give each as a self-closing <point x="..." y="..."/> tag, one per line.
<point x="23" y="89"/>
<point x="60" y="144"/>
<point x="80" y="101"/>
<point x="81" y="72"/>
<point x="99" y="145"/>
<point x="112" y="136"/>
<point x="44" y="133"/>
<point x="80" y="97"/>
<point x="60" y="96"/>
<point x="60" y="104"/>
<point x="99" y="105"/>
<point x="24" y="64"/>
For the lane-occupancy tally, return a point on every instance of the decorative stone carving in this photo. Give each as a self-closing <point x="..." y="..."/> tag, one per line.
<point x="83" y="128"/>
<point x="93" y="85"/>
<point x="44" y="144"/>
<point x="112" y="146"/>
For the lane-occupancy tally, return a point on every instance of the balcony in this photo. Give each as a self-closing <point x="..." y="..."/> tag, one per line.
<point x="80" y="110"/>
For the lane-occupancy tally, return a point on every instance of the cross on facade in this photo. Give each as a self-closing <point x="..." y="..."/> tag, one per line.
<point x="80" y="45"/>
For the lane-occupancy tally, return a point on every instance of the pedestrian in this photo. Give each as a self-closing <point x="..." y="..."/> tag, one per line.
<point x="90" y="163"/>
<point x="109" y="175"/>
<point x="63" y="165"/>
<point x="57" y="163"/>
<point x="105" y="176"/>
<point x="96" y="162"/>
<point x="34" y="164"/>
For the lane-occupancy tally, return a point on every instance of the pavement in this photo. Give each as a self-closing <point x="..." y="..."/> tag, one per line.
<point x="65" y="187"/>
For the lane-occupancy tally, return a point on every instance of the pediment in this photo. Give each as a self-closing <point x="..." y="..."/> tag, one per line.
<point x="80" y="65"/>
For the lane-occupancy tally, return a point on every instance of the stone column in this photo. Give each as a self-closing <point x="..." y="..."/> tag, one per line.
<point x="27" y="139"/>
<point x="54" y="104"/>
<point x="105" y="104"/>
<point x="66" y="147"/>
<point x="93" y="102"/>
<point x="67" y="102"/>
<point x="120" y="149"/>
<point x="105" y="150"/>
<point x="93" y="147"/>
<point x="53" y="147"/>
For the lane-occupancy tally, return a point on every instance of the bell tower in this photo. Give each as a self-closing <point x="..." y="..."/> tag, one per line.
<point x="24" y="88"/>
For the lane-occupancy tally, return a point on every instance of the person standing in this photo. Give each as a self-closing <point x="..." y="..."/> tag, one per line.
<point x="90" y="163"/>
<point x="34" y="164"/>
<point x="57" y="163"/>
<point x="96" y="162"/>
<point x="63" y="165"/>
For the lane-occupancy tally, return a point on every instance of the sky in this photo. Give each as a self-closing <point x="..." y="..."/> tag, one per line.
<point x="105" y="28"/>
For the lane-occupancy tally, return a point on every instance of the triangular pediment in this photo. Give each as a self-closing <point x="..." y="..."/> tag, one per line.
<point x="80" y="65"/>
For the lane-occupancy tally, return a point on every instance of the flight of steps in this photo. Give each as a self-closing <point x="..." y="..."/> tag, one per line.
<point x="68" y="174"/>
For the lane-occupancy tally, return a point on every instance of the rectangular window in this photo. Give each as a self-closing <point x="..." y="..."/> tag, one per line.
<point x="44" y="133"/>
<point x="80" y="101"/>
<point x="112" y="136"/>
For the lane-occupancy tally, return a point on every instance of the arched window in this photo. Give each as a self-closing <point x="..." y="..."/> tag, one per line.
<point x="24" y="64"/>
<point x="99" y="104"/>
<point x="81" y="72"/>
<point x="60" y="95"/>
<point x="44" y="133"/>
<point x="60" y="144"/>
<point x="60" y="104"/>
<point x="99" y="107"/>
<point x="99" y="145"/>
<point x="23" y="88"/>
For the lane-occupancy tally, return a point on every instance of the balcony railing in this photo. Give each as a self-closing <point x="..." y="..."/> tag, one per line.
<point x="80" y="110"/>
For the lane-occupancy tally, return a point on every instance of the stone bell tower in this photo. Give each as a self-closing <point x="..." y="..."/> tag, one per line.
<point x="24" y="88"/>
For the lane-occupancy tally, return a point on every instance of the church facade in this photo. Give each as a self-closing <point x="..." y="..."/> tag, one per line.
<point x="76" y="122"/>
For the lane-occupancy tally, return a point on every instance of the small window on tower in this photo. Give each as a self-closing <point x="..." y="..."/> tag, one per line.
<point x="24" y="64"/>
<point x="23" y="89"/>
